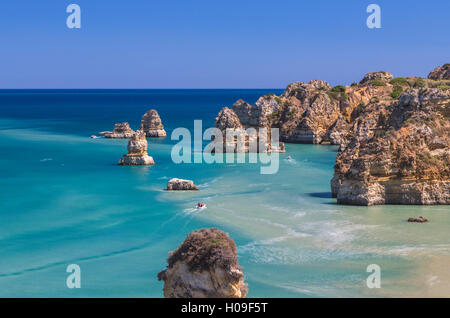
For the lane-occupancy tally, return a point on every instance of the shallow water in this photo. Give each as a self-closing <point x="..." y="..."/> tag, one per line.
<point x="64" y="200"/>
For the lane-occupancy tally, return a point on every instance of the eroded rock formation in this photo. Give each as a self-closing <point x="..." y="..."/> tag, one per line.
<point x="151" y="124"/>
<point x="204" y="266"/>
<point x="121" y="130"/>
<point x="373" y="76"/>
<point x="234" y="124"/>
<point x="311" y="112"/>
<point x="440" y="73"/>
<point x="137" y="152"/>
<point x="420" y="219"/>
<point x="393" y="133"/>
<point x="399" y="153"/>
<point x="180" y="184"/>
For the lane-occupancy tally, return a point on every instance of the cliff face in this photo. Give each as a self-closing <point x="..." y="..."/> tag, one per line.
<point x="241" y="116"/>
<point x="393" y="133"/>
<point x="204" y="266"/>
<point x="137" y="152"/>
<point x="399" y="153"/>
<point x="308" y="112"/>
<point x="121" y="130"/>
<point x="151" y="124"/>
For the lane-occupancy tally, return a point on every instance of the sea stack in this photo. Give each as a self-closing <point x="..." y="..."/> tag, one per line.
<point x="121" y="130"/>
<point x="151" y="124"/>
<point x="204" y="266"/>
<point x="242" y="116"/>
<point x="137" y="152"/>
<point x="180" y="184"/>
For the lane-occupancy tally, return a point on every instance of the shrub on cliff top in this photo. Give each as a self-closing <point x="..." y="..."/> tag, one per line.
<point x="400" y="81"/>
<point x="203" y="249"/>
<point x="419" y="83"/>
<point x="398" y="90"/>
<point x="377" y="82"/>
<point x="338" y="93"/>
<point x="338" y="89"/>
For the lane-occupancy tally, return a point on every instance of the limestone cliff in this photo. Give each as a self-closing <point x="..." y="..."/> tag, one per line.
<point x="204" y="266"/>
<point x="151" y="124"/>
<point x="399" y="153"/>
<point x="393" y="133"/>
<point x="311" y="112"/>
<point x="235" y="121"/>
<point x="137" y="152"/>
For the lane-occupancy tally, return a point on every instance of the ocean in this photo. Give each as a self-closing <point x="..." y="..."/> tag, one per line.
<point x="64" y="200"/>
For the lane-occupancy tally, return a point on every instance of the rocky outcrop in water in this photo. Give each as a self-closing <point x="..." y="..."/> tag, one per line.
<point x="204" y="266"/>
<point x="399" y="153"/>
<point x="151" y="124"/>
<point x="440" y="73"/>
<point x="121" y="130"/>
<point x="420" y="219"/>
<point x="175" y="184"/>
<point x="235" y="122"/>
<point x="137" y="152"/>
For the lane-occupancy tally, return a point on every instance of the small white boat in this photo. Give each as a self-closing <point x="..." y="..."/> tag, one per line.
<point x="94" y="137"/>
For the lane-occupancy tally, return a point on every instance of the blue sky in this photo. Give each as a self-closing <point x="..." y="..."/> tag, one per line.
<point x="216" y="44"/>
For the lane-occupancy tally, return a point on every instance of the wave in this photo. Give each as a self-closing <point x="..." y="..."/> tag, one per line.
<point x="291" y="161"/>
<point x="412" y="250"/>
<point x="207" y="184"/>
<point x="193" y="210"/>
<point x="335" y="232"/>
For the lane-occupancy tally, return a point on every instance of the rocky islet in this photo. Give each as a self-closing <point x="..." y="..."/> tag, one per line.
<point x="205" y="265"/>
<point x="137" y="152"/>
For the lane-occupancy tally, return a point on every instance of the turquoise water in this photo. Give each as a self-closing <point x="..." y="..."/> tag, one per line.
<point x="64" y="200"/>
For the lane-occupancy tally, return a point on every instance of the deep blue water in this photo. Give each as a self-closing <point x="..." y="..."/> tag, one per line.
<point x="64" y="200"/>
<point x="97" y="110"/>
